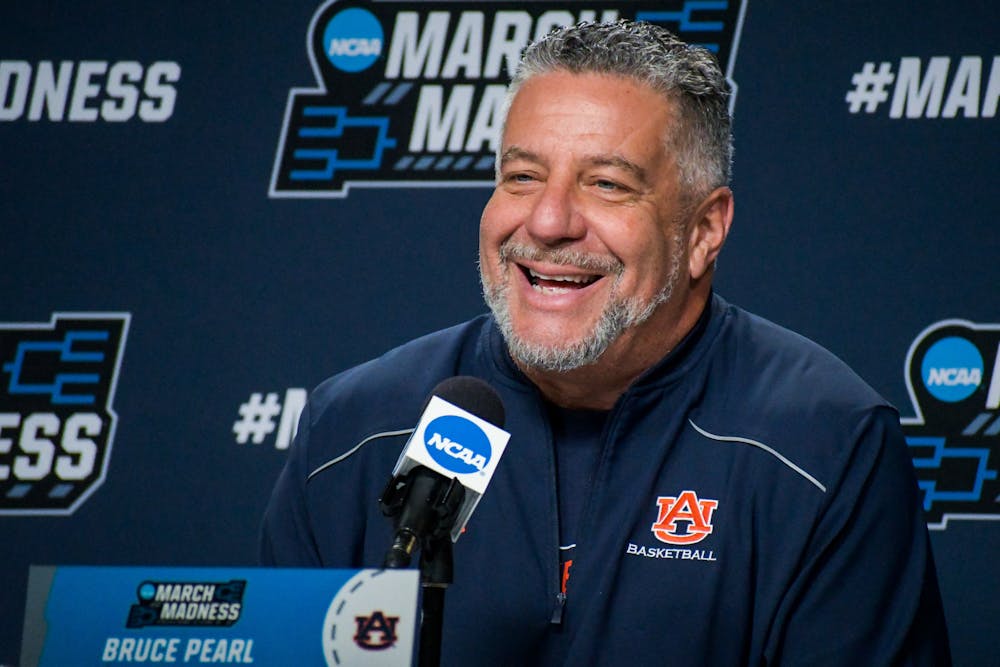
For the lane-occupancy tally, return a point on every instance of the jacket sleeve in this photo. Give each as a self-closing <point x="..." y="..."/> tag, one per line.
<point x="286" y="537"/>
<point x="867" y="591"/>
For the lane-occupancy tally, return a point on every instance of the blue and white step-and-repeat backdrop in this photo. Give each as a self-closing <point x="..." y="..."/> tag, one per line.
<point x="207" y="208"/>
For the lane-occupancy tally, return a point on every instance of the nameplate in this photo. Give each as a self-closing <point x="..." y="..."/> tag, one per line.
<point x="79" y="615"/>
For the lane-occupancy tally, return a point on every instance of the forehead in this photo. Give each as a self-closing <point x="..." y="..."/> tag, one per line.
<point x="563" y="109"/>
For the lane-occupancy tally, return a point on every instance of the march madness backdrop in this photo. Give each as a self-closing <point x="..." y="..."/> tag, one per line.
<point x="207" y="208"/>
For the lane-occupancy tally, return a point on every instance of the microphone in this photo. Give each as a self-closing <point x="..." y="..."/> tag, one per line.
<point x="444" y="467"/>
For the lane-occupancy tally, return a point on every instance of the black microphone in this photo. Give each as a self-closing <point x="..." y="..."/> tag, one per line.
<point x="444" y="467"/>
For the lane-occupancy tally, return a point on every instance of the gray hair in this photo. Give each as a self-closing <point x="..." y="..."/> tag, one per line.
<point x="688" y="76"/>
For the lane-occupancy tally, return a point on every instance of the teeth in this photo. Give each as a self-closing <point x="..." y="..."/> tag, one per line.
<point x="579" y="280"/>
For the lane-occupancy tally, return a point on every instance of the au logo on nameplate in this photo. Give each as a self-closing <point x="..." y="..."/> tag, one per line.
<point x="411" y="93"/>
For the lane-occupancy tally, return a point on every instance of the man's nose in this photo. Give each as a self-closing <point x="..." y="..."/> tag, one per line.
<point x="556" y="217"/>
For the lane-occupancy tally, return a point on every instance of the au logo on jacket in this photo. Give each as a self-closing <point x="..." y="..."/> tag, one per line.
<point x="684" y="519"/>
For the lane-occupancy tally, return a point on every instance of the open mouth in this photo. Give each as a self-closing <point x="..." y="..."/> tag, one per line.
<point x="548" y="283"/>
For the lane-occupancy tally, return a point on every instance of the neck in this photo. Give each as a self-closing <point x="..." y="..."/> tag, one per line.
<point x="581" y="388"/>
<point x="599" y="385"/>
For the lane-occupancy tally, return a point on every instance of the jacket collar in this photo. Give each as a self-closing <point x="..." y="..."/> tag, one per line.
<point x="673" y="365"/>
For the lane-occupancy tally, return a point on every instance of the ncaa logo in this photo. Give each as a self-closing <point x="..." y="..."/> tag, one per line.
<point x="953" y="378"/>
<point x="353" y="40"/>
<point x="952" y="369"/>
<point x="457" y="445"/>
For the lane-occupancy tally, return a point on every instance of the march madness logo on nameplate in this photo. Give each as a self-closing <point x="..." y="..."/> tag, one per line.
<point x="198" y="603"/>
<point x="953" y="377"/>
<point x="410" y="94"/>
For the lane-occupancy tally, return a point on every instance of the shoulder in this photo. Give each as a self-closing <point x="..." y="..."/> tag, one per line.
<point x="388" y="392"/>
<point x="403" y="370"/>
<point x="776" y="388"/>
<point x="777" y="366"/>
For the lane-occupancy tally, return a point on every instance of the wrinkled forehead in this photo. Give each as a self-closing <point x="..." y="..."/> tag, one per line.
<point x="590" y="111"/>
<point x="665" y="101"/>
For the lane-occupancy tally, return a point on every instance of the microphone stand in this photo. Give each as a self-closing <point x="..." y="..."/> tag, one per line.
<point x="425" y="505"/>
<point x="436" y="573"/>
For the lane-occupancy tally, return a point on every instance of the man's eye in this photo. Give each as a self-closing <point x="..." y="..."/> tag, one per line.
<point x="518" y="178"/>
<point x="609" y="186"/>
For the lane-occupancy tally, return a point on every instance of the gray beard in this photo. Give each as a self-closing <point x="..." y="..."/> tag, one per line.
<point x="619" y="315"/>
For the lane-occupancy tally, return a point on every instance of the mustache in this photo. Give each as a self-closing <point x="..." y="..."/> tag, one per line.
<point x="512" y="251"/>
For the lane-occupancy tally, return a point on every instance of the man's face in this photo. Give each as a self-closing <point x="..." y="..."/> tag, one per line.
<point x="581" y="245"/>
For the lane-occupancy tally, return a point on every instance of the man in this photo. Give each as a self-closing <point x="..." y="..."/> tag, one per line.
<point x="686" y="484"/>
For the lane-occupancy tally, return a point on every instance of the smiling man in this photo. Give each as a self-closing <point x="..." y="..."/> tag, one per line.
<point x="686" y="483"/>
<point x="594" y="261"/>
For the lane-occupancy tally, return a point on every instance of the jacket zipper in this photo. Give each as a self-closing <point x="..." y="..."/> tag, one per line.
<point x="557" y="613"/>
<point x="560" y="602"/>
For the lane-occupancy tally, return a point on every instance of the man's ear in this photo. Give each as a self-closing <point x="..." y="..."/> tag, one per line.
<point x="708" y="231"/>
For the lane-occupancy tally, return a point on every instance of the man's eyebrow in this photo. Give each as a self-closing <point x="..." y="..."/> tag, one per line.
<point x="518" y="153"/>
<point x="618" y="162"/>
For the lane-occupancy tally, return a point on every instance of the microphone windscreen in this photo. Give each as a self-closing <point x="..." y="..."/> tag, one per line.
<point x="472" y="395"/>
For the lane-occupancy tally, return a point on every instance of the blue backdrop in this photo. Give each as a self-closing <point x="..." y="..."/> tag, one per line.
<point x="175" y="250"/>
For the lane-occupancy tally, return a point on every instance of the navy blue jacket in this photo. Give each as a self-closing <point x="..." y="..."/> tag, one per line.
<point x="754" y="504"/>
